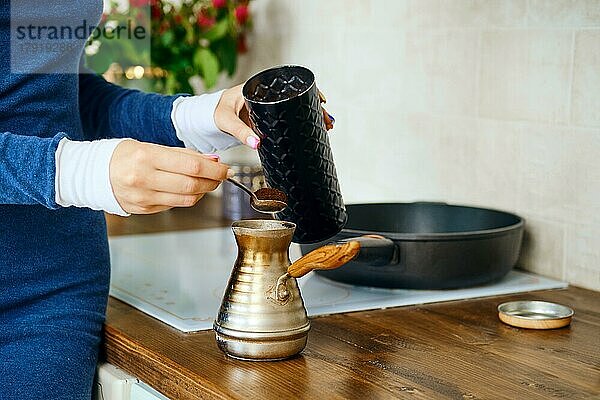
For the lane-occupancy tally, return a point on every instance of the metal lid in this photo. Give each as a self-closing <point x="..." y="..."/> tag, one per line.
<point x="534" y="314"/>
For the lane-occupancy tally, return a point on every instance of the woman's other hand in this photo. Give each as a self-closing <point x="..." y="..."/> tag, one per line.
<point x="232" y="117"/>
<point x="148" y="178"/>
<point x="328" y="118"/>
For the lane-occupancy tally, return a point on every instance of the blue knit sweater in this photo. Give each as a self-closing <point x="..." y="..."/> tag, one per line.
<point x="54" y="262"/>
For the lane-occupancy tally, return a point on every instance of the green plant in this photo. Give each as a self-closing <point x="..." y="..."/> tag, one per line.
<point x="195" y="38"/>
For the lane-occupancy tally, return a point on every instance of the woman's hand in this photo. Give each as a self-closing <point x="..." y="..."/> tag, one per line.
<point x="231" y="116"/>
<point x="148" y="178"/>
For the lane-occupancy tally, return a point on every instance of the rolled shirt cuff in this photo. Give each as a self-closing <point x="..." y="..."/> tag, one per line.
<point x="194" y="120"/>
<point x="83" y="175"/>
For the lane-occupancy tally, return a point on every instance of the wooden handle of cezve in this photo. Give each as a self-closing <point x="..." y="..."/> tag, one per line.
<point x="327" y="257"/>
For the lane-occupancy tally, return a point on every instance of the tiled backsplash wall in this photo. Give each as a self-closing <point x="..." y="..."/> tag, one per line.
<point x="481" y="102"/>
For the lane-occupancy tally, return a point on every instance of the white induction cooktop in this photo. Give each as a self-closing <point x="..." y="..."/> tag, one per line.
<point x="179" y="278"/>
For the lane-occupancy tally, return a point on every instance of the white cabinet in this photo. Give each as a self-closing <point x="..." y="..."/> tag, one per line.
<point x="141" y="391"/>
<point x="113" y="383"/>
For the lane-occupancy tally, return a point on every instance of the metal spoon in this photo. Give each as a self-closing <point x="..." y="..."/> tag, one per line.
<point x="265" y="200"/>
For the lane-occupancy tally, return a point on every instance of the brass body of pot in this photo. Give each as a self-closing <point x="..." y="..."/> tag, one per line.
<point x="262" y="315"/>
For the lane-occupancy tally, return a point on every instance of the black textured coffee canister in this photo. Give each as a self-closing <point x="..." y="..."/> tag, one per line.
<point x="286" y="114"/>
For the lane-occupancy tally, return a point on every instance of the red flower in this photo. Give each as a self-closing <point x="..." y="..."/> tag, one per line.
<point x="178" y="19"/>
<point x="205" y="21"/>
<point x="241" y="44"/>
<point x="139" y="3"/>
<point x="219" y="3"/>
<point x="241" y="14"/>
<point x="156" y="11"/>
<point x="163" y="27"/>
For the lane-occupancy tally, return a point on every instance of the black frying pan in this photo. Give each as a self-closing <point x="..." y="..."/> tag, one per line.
<point x="437" y="246"/>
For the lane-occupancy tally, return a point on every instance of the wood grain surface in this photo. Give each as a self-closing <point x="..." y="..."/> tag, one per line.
<point x="453" y="350"/>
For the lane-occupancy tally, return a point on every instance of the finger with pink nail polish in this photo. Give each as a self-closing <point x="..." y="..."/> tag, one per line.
<point x="253" y="142"/>
<point x="212" y="156"/>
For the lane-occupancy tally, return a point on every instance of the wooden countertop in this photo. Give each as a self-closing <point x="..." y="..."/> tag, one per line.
<point x="455" y="350"/>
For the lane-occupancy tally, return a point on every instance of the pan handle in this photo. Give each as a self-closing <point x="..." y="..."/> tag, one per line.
<point x="375" y="250"/>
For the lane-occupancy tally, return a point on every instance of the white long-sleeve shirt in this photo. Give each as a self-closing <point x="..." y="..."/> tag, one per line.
<point x="82" y="168"/>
